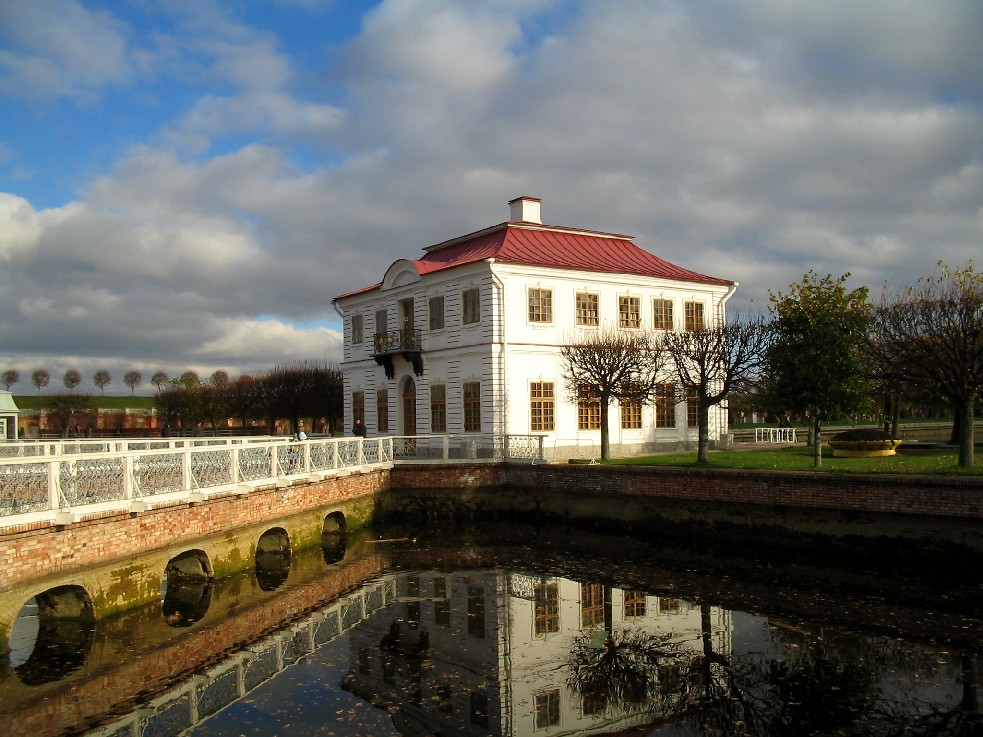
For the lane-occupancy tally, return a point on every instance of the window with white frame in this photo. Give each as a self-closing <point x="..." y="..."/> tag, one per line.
<point x="588" y="409"/>
<point x="694" y="316"/>
<point x="437" y="312"/>
<point x="662" y="317"/>
<point x="540" y="304"/>
<point x="541" y="406"/>
<point x="472" y="406"/>
<point x="357" y="331"/>
<point x="629" y="312"/>
<point x="438" y="408"/>
<point x="588" y="312"/>
<point x="471" y="306"/>
<point x="665" y="405"/>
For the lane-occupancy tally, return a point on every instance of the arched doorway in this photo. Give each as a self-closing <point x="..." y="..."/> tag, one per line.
<point x="409" y="406"/>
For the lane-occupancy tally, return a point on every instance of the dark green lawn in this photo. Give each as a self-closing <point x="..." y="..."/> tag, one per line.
<point x="928" y="461"/>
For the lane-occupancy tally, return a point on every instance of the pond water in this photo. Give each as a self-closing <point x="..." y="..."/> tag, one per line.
<point x="514" y="630"/>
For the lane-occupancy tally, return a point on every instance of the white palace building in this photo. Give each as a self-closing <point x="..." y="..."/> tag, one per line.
<point x="466" y="338"/>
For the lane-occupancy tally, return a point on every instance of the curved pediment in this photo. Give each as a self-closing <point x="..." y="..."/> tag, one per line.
<point x="400" y="274"/>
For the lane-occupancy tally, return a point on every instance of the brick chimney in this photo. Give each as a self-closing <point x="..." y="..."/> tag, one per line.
<point x="525" y="210"/>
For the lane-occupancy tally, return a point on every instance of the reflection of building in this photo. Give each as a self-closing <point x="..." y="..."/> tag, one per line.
<point x="485" y="652"/>
<point x="467" y="337"/>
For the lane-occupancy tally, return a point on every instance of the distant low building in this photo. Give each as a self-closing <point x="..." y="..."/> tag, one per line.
<point x="8" y="416"/>
<point x="467" y="338"/>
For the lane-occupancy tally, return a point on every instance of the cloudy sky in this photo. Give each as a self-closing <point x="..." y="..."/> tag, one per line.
<point x="187" y="184"/>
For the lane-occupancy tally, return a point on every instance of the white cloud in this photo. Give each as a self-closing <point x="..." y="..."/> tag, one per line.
<point x="748" y="141"/>
<point x="59" y="47"/>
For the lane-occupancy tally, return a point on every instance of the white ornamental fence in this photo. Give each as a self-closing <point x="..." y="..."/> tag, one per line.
<point x="62" y="482"/>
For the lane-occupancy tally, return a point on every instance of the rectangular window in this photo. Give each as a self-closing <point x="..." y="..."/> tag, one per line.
<point x="587" y="309"/>
<point x="634" y="604"/>
<point x="440" y="588"/>
<point x="382" y="410"/>
<point x="630" y="312"/>
<point x="357" y="333"/>
<point x="591" y="604"/>
<point x="471" y="306"/>
<point x="631" y="414"/>
<point x="692" y="408"/>
<point x="694" y="316"/>
<point x="546" y="612"/>
<point x="476" y="611"/>
<point x="437" y="313"/>
<point x="541" y="406"/>
<point x="665" y="405"/>
<point x="381" y="321"/>
<point x="594" y="702"/>
<point x="588" y="409"/>
<point x="540" y="305"/>
<point x="662" y="317"/>
<point x="472" y="406"/>
<point x="479" y="708"/>
<point x="358" y="406"/>
<point x="413" y="586"/>
<point x="547" y="709"/>
<point x="442" y="613"/>
<point x="438" y="408"/>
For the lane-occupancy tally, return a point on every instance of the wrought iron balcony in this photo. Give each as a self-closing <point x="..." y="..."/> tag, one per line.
<point x="407" y="343"/>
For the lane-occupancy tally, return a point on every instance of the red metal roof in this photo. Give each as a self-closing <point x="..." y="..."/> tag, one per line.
<point x="553" y="247"/>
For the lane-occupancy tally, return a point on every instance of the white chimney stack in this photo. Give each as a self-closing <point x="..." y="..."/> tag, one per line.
<point x="525" y="210"/>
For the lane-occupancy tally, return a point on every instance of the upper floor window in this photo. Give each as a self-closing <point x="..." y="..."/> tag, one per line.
<point x="381" y="321"/>
<point x="591" y="604"/>
<point x="437" y="313"/>
<point x="587" y="309"/>
<point x="541" y="406"/>
<point x="471" y="307"/>
<point x="629" y="312"/>
<point x="634" y="604"/>
<point x="357" y="336"/>
<point x="540" y="305"/>
<point x="472" y="406"/>
<point x="694" y="316"/>
<point x="662" y="317"/>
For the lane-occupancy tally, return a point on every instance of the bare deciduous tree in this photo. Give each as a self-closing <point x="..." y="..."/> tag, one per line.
<point x="72" y="379"/>
<point x="9" y="378"/>
<point x="133" y="379"/>
<point x="711" y="362"/>
<point x="933" y="330"/>
<point x="102" y="379"/>
<point x="160" y="380"/>
<point x="610" y="364"/>
<point x="40" y="379"/>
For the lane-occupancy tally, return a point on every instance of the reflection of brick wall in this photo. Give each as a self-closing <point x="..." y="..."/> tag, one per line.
<point x="168" y="663"/>
<point x="32" y="552"/>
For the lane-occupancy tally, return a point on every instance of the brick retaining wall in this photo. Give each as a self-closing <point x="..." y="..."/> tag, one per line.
<point x="38" y="551"/>
<point x="959" y="497"/>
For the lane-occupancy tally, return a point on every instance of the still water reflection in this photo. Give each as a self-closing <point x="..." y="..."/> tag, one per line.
<point x="524" y="631"/>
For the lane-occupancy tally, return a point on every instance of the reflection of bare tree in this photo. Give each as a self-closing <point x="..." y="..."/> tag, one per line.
<point x="625" y="669"/>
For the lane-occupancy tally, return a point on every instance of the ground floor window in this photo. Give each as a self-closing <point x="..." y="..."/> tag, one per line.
<point x="591" y="604"/>
<point x="547" y="708"/>
<point x="541" y="406"/>
<point x="547" y="608"/>
<point x="382" y="410"/>
<point x="472" y="406"/>
<point x="588" y="409"/>
<point x="665" y="405"/>
<point x="692" y="408"/>
<point x="358" y="406"/>
<point x="438" y="408"/>
<point x="631" y="414"/>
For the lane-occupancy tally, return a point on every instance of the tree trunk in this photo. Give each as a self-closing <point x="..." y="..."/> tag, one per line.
<point x="817" y="442"/>
<point x="966" y="434"/>
<point x="896" y="417"/>
<point x="957" y="423"/>
<point x="605" y="428"/>
<point x="703" y="430"/>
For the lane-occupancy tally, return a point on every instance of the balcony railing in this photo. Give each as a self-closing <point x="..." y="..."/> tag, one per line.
<point x="407" y="343"/>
